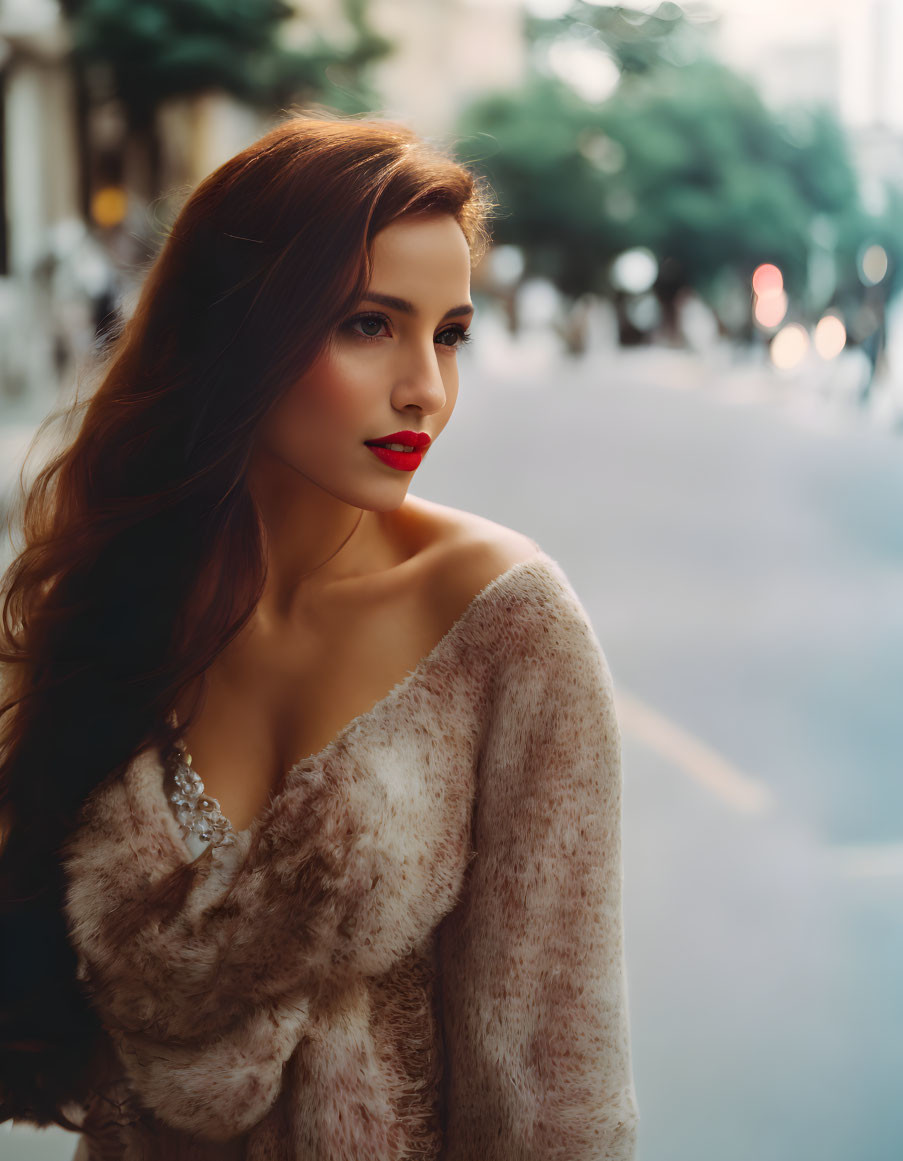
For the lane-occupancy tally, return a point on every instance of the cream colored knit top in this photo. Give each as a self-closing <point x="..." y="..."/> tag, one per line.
<point x="416" y="951"/>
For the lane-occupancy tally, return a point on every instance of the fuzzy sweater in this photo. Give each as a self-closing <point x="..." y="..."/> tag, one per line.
<point x="415" y="951"/>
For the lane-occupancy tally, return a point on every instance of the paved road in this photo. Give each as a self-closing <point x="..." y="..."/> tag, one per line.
<point x="742" y="561"/>
<point x="743" y="566"/>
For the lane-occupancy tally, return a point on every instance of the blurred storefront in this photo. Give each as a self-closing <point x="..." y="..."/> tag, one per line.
<point x="41" y="223"/>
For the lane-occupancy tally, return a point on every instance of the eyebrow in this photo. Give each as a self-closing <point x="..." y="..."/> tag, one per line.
<point x="406" y="307"/>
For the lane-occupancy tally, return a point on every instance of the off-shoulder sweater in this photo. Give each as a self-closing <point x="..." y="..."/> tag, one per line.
<point x="415" y="951"/>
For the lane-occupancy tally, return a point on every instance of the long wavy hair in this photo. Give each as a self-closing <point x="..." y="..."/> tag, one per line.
<point x="117" y="602"/>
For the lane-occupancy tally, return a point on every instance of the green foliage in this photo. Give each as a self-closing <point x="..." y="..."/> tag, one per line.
<point x="637" y="41"/>
<point x="685" y="160"/>
<point x="527" y="143"/>
<point x="155" y="49"/>
<point x="719" y="180"/>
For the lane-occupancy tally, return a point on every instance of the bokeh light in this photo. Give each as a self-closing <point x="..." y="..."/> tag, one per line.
<point x="770" y="309"/>
<point x="644" y="312"/>
<point x="767" y="280"/>
<point x="769" y="297"/>
<point x="108" y="206"/>
<point x="593" y="74"/>
<point x="506" y="264"/>
<point x="602" y="151"/>
<point x="789" y="347"/>
<point x="635" y="270"/>
<point x="830" y="336"/>
<point x="873" y="264"/>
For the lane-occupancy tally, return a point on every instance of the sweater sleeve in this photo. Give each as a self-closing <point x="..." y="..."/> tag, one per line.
<point x="534" y="988"/>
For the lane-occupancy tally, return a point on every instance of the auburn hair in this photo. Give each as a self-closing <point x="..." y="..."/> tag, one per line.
<point x="116" y="602"/>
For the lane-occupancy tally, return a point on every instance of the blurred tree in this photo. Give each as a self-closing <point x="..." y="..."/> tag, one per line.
<point x="636" y="40"/>
<point x="712" y="179"/>
<point x="682" y="157"/>
<point x="528" y="143"/>
<point x="156" y="49"/>
<point x="145" y="51"/>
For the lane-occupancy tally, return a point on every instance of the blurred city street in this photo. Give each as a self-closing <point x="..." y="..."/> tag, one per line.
<point x="685" y="381"/>
<point x="743" y="572"/>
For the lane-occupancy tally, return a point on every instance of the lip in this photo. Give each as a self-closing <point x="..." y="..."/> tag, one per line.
<point x="416" y="439"/>
<point x="402" y="461"/>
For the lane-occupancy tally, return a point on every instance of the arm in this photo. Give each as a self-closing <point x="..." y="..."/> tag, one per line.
<point x="535" y="1003"/>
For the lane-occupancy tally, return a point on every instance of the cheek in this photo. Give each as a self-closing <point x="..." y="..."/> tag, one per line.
<point x="450" y="381"/>
<point x="339" y="391"/>
<point x="325" y="402"/>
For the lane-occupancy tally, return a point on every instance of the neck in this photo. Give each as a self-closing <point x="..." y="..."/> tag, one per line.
<point x="311" y="538"/>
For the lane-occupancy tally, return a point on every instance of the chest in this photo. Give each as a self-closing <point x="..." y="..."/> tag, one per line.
<point x="279" y="695"/>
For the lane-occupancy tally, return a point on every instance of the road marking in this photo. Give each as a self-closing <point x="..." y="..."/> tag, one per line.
<point x="705" y="765"/>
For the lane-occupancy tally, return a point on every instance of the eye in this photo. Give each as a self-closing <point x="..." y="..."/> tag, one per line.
<point x="459" y="336"/>
<point x="367" y="320"/>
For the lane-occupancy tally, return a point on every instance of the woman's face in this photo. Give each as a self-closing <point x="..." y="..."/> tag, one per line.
<point x="391" y="367"/>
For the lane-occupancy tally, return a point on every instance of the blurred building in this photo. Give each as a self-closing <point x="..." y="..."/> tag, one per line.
<point x="448" y="51"/>
<point x="872" y="33"/>
<point x="847" y="56"/>
<point x="39" y="191"/>
<point x="830" y="52"/>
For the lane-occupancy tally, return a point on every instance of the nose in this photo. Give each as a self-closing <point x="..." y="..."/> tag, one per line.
<point x="420" y="378"/>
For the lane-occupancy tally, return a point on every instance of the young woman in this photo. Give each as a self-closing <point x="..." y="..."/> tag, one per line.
<point x="311" y="787"/>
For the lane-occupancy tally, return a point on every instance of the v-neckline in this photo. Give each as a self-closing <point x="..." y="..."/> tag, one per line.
<point x="246" y="834"/>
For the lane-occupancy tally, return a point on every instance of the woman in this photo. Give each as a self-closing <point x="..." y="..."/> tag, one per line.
<point x="312" y="787"/>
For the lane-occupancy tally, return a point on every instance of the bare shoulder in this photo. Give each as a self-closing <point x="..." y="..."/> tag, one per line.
<point x="469" y="552"/>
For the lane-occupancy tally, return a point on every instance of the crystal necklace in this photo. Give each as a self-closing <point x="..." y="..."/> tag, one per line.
<point x="199" y="814"/>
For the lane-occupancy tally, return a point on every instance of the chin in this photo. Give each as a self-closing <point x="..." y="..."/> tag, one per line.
<point x="385" y="499"/>
<point x="390" y="505"/>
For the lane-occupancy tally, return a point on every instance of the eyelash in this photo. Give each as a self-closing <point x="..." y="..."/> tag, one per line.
<point x="463" y="335"/>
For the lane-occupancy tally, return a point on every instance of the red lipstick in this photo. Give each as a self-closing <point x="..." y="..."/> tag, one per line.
<point x="403" y="461"/>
